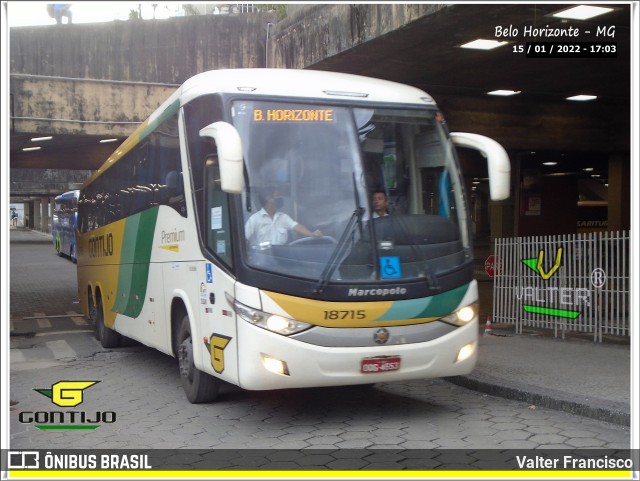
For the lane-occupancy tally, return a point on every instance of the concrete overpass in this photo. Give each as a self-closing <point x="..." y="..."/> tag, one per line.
<point x="84" y="83"/>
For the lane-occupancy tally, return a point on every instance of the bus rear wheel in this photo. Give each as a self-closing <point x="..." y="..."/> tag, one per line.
<point x="108" y="337"/>
<point x="199" y="386"/>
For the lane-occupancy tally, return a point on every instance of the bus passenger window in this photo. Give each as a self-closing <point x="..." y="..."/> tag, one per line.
<point x="175" y="188"/>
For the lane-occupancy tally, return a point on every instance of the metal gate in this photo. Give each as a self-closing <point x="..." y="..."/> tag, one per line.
<point x="576" y="282"/>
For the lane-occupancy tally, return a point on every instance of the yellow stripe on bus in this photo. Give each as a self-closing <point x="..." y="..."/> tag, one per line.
<point x="342" y="314"/>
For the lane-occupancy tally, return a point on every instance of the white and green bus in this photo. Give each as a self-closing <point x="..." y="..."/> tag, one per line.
<point x="166" y="255"/>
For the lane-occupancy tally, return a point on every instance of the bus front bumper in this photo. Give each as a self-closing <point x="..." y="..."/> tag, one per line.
<point x="270" y="361"/>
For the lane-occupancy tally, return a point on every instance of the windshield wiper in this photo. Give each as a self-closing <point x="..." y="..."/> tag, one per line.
<point x="332" y="264"/>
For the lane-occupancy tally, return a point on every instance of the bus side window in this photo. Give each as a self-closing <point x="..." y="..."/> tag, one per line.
<point x="174" y="188"/>
<point x="143" y="173"/>
<point x="167" y="180"/>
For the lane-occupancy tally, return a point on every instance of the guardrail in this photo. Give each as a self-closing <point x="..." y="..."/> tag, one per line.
<point x="565" y="283"/>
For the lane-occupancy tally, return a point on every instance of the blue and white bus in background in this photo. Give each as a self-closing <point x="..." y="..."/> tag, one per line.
<point x="65" y="221"/>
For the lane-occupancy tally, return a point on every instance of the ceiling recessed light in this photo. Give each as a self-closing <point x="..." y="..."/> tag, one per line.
<point x="28" y="149"/>
<point x="504" y="93"/>
<point x="582" y="12"/>
<point x="588" y="169"/>
<point x="106" y="141"/>
<point x="40" y="139"/>
<point x="582" y="98"/>
<point x="481" y="44"/>
<point x="550" y="163"/>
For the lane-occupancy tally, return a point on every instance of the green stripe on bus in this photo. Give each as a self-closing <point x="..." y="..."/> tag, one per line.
<point x="445" y="303"/>
<point x="134" y="262"/>
<point x="436" y="306"/>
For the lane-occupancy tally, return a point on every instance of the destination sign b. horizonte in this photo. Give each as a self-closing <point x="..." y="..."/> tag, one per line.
<point x="578" y="460"/>
<point x="293" y="115"/>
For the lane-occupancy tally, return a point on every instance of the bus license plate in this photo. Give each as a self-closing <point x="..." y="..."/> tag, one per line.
<point x="379" y="364"/>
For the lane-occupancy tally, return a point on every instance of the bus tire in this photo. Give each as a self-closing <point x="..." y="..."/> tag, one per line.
<point x="108" y="337"/>
<point x="199" y="386"/>
<point x="93" y="317"/>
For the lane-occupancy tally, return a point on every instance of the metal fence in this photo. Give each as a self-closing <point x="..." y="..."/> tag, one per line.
<point x="565" y="283"/>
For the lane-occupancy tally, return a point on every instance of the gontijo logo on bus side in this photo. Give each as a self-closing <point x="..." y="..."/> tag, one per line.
<point x="563" y="296"/>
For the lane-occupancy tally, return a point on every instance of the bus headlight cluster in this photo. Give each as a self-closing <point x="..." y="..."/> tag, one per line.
<point x="272" y="322"/>
<point x="462" y="316"/>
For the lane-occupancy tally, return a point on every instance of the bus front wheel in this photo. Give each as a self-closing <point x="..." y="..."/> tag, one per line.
<point x="199" y="386"/>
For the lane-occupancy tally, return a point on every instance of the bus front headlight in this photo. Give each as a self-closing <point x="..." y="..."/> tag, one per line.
<point x="271" y="322"/>
<point x="462" y="316"/>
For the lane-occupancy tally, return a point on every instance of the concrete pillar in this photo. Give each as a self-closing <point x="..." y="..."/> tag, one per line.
<point x="25" y="214"/>
<point x="28" y="214"/>
<point x="37" y="215"/>
<point x="52" y="206"/>
<point x="619" y="193"/>
<point x="44" y="216"/>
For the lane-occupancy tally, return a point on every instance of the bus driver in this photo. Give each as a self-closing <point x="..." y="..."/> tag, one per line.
<point x="270" y="225"/>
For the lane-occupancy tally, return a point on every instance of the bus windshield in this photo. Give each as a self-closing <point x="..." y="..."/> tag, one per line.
<point x="348" y="194"/>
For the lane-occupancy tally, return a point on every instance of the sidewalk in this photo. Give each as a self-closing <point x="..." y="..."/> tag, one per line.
<point x="22" y="233"/>
<point x="572" y="374"/>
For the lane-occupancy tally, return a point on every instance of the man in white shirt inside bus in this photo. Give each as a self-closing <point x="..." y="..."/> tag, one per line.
<point x="270" y="226"/>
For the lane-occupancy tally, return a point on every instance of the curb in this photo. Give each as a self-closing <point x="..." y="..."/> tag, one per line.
<point x="600" y="409"/>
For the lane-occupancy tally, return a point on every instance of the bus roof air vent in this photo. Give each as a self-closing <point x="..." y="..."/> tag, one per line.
<point x="345" y="94"/>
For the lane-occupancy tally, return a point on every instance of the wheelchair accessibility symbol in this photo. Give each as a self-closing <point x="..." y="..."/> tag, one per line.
<point x="209" y="273"/>
<point x="390" y="268"/>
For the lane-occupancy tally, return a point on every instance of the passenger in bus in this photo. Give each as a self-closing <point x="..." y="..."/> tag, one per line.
<point x="380" y="204"/>
<point x="271" y="226"/>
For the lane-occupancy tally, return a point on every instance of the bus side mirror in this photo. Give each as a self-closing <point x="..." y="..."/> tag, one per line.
<point x="497" y="160"/>
<point x="229" y="146"/>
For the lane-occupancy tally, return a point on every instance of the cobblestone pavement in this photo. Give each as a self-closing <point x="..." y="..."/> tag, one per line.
<point x="143" y="388"/>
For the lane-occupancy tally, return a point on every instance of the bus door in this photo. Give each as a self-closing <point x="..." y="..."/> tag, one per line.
<point x="219" y="333"/>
